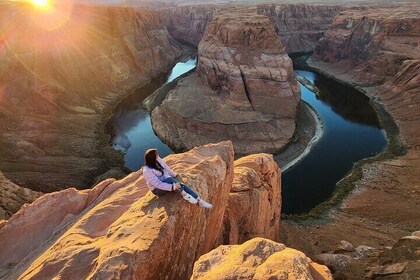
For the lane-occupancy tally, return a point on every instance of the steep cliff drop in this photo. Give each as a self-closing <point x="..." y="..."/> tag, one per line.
<point x="300" y="26"/>
<point x="61" y="72"/>
<point x="256" y="187"/>
<point x="244" y="90"/>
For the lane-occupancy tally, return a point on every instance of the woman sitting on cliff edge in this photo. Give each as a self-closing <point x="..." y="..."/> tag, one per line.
<point x="161" y="179"/>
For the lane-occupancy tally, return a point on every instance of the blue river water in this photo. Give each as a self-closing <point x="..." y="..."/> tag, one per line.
<point x="351" y="132"/>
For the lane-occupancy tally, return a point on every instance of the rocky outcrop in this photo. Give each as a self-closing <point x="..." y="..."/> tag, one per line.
<point x="245" y="90"/>
<point x="401" y="261"/>
<point x="12" y="197"/>
<point x="258" y="259"/>
<point x="257" y="188"/>
<point x="300" y="26"/>
<point x="119" y="230"/>
<point x="61" y="72"/>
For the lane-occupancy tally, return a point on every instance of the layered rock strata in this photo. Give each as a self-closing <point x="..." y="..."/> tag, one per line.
<point x="119" y="230"/>
<point x="257" y="188"/>
<point x="300" y="26"/>
<point x="61" y="71"/>
<point x="12" y="197"/>
<point x="245" y="90"/>
<point x="258" y="259"/>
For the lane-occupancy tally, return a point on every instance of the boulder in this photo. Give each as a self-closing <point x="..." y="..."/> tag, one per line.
<point x="257" y="188"/>
<point x="118" y="229"/>
<point x="257" y="259"/>
<point x="335" y="262"/>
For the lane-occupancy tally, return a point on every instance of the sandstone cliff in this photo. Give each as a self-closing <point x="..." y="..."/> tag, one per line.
<point x="61" y="72"/>
<point x="245" y="91"/>
<point x="258" y="259"/>
<point x="116" y="231"/>
<point x="254" y="204"/>
<point x="300" y="26"/>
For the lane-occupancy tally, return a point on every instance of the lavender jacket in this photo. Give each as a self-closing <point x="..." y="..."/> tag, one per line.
<point x="154" y="177"/>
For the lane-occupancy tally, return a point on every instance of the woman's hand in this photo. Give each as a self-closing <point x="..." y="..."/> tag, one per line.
<point x="176" y="186"/>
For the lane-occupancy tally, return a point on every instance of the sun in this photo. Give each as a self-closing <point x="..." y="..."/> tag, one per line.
<point x="41" y="3"/>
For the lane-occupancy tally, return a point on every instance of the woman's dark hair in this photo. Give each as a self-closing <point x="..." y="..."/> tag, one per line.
<point x="150" y="160"/>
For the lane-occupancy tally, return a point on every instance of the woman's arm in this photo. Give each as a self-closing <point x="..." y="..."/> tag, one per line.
<point x="167" y="168"/>
<point x="154" y="181"/>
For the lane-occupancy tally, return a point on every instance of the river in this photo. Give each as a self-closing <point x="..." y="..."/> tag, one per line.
<point x="351" y="132"/>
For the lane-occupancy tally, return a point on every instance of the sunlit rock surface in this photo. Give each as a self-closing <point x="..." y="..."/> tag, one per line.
<point x="254" y="205"/>
<point x="258" y="259"/>
<point x="116" y="230"/>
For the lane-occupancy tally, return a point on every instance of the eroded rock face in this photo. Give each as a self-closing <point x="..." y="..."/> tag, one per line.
<point x="61" y="72"/>
<point x="257" y="188"/>
<point x="12" y="197"/>
<point x="245" y="91"/>
<point x="300" y="26"/>
<point x="258" y="259"/>
<point x="118" y="229"/>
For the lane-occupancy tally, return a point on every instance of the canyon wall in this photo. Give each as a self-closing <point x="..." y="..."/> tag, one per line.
<point x="244" y="90"/>
<point x="375" y="49"/>
<point x="299" y="26"/>
<point x="378" y="51"/>
<point x="61" y="72"/>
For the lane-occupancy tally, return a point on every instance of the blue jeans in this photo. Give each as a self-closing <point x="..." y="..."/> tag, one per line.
<point x="172" y="180"/>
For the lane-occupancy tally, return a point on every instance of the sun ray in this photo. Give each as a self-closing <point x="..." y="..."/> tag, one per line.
<point x="42" y="4"/>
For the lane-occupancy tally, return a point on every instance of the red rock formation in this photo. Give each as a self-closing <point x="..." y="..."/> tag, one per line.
<point x="116" y="231"/>
<point x="257" y="188"/>
<point x="258" y="259"/>
<point x="246" y="91"/>
<point x="300" y="26"/>
<point x="188" y="23"/>
<point x="61" y="71"/>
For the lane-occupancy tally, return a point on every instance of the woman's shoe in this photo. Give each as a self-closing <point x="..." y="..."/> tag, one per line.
<point x="204" y="204"/>
<point x="189" y="197"/>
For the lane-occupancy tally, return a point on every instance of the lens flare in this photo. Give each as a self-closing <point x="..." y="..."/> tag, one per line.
<point x="41" y="3"/>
